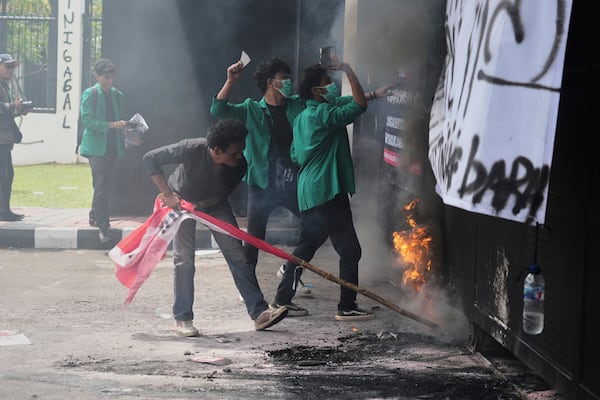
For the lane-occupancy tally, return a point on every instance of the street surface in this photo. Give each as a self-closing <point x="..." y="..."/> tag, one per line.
<point x="80" y="341"/>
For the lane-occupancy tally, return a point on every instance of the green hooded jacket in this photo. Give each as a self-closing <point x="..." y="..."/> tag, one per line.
<point x="258" y="119"/>
<point x="322" y="150"/>
<point x="93" y="142"/>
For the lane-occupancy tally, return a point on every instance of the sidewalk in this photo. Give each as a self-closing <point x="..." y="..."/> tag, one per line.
<point x="65" y="228"/>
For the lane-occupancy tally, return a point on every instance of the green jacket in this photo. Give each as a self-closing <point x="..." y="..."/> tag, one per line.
<point x="258" y="119"/>
<point x="322" y="150"/>
<point x="93" y="142"/>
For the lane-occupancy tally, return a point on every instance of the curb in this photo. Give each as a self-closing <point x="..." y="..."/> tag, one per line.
<point x="66" y="238"/>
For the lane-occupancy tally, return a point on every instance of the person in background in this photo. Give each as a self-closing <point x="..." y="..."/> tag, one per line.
<point x="102" y="112"/>
<point x="326" y="179"/>
<point x="11" y="106"/>
<point x="271" y="176"/>
<point x="208" y="170"/>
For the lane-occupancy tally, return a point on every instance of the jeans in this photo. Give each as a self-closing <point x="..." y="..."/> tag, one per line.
<point x="331" y="220"/>
<point x="243" y="272"/>
<point x="7" y="174"/>
<point x="261" y="203"/>
<point x="102" y="170"/>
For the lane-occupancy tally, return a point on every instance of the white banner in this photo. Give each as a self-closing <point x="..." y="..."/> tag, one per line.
<point x="492" y="126"/>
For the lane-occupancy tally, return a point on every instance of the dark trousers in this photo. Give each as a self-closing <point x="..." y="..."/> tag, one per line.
<point x="102" y="170"/>
<point x="332" y="220"/>
<point x="261" y="203"/>
<point x="7" y="174"/>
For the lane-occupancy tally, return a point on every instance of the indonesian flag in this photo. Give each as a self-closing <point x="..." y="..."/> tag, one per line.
<point x="138" y="253"/>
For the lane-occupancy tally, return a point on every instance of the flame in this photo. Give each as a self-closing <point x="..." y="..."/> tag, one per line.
<point x="413" y="247"/>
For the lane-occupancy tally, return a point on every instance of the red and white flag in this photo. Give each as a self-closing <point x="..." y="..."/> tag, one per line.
<point x="138" y="253"/>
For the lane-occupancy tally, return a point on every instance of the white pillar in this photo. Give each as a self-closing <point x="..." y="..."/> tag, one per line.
<point x="350" y="52"/>
<point x="51" y="137"/>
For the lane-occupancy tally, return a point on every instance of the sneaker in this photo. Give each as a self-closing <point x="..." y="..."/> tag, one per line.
<point x="104" y="238"/>
<point x="356" y="314"/>
<point x="185" y="328"/>
<point x="269" y="318"/>
<point x="303" y="289"/>
<point x="280" y="271"/>
<point x="293" y="309"/>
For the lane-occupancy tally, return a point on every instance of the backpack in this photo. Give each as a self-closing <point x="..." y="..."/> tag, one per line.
<point x="80" y="127"/>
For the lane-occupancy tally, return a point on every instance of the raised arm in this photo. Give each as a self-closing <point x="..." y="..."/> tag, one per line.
<point x="233" y="74"/>
<point x="357" y="92"/>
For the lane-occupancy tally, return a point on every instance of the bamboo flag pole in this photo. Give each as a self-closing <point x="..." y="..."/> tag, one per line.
<point x="364" y="292"/>
<point x="130" y="274"/>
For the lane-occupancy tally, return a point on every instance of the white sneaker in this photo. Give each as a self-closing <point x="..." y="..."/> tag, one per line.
<point x="185" y="328"/>
<point x="280" y="271"/>
<point x="304" y="289"/>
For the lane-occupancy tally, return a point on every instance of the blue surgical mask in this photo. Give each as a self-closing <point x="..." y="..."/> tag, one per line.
<point x="286" y="87"/>
<point x="332" y="92"/>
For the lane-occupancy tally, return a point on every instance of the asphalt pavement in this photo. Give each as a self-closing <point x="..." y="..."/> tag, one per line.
<point x="66" y="333"/>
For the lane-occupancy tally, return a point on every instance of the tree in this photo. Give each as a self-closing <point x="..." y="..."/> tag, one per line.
<point x="24" y="28"/>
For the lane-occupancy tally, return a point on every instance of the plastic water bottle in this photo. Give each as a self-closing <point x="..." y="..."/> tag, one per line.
<point x="533" y="301"/>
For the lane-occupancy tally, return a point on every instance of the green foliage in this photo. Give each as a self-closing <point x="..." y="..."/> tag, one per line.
<point x="37" y="8"/>
<point x="27" y="30"/>
<point x="52" y="186"/>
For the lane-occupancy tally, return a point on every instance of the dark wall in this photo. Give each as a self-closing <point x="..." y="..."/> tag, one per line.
<point x="566" y="353"/>
<point x="173" y="57"/>
<point x="397" y="41"/>
<point x="485" y="256"/>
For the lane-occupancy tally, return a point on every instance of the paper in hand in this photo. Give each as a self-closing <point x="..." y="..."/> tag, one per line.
<point x="133" y="132"/>
<point x="245" y="59"/>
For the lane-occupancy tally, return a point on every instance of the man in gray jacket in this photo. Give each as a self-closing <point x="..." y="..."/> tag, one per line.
<point x="11" y="106"/>
<point x="208" y="170"/>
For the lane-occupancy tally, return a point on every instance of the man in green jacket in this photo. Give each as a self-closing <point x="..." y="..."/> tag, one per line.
<point x="271" y="175"/>
<point x="326" y="179"/>
<point x="102" y="112"/>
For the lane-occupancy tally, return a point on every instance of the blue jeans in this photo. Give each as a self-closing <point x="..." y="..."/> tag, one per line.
<point x="331" y="220"/>
<point x="243" y="272"/>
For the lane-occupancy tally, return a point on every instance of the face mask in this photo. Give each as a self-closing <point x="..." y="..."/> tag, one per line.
<point x="332" y="92"/>
<point x="286" y="87"/>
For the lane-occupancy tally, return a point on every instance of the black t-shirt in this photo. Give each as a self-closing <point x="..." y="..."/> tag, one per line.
<point x="281" y="131"/>
<point x="111" y="134"/>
